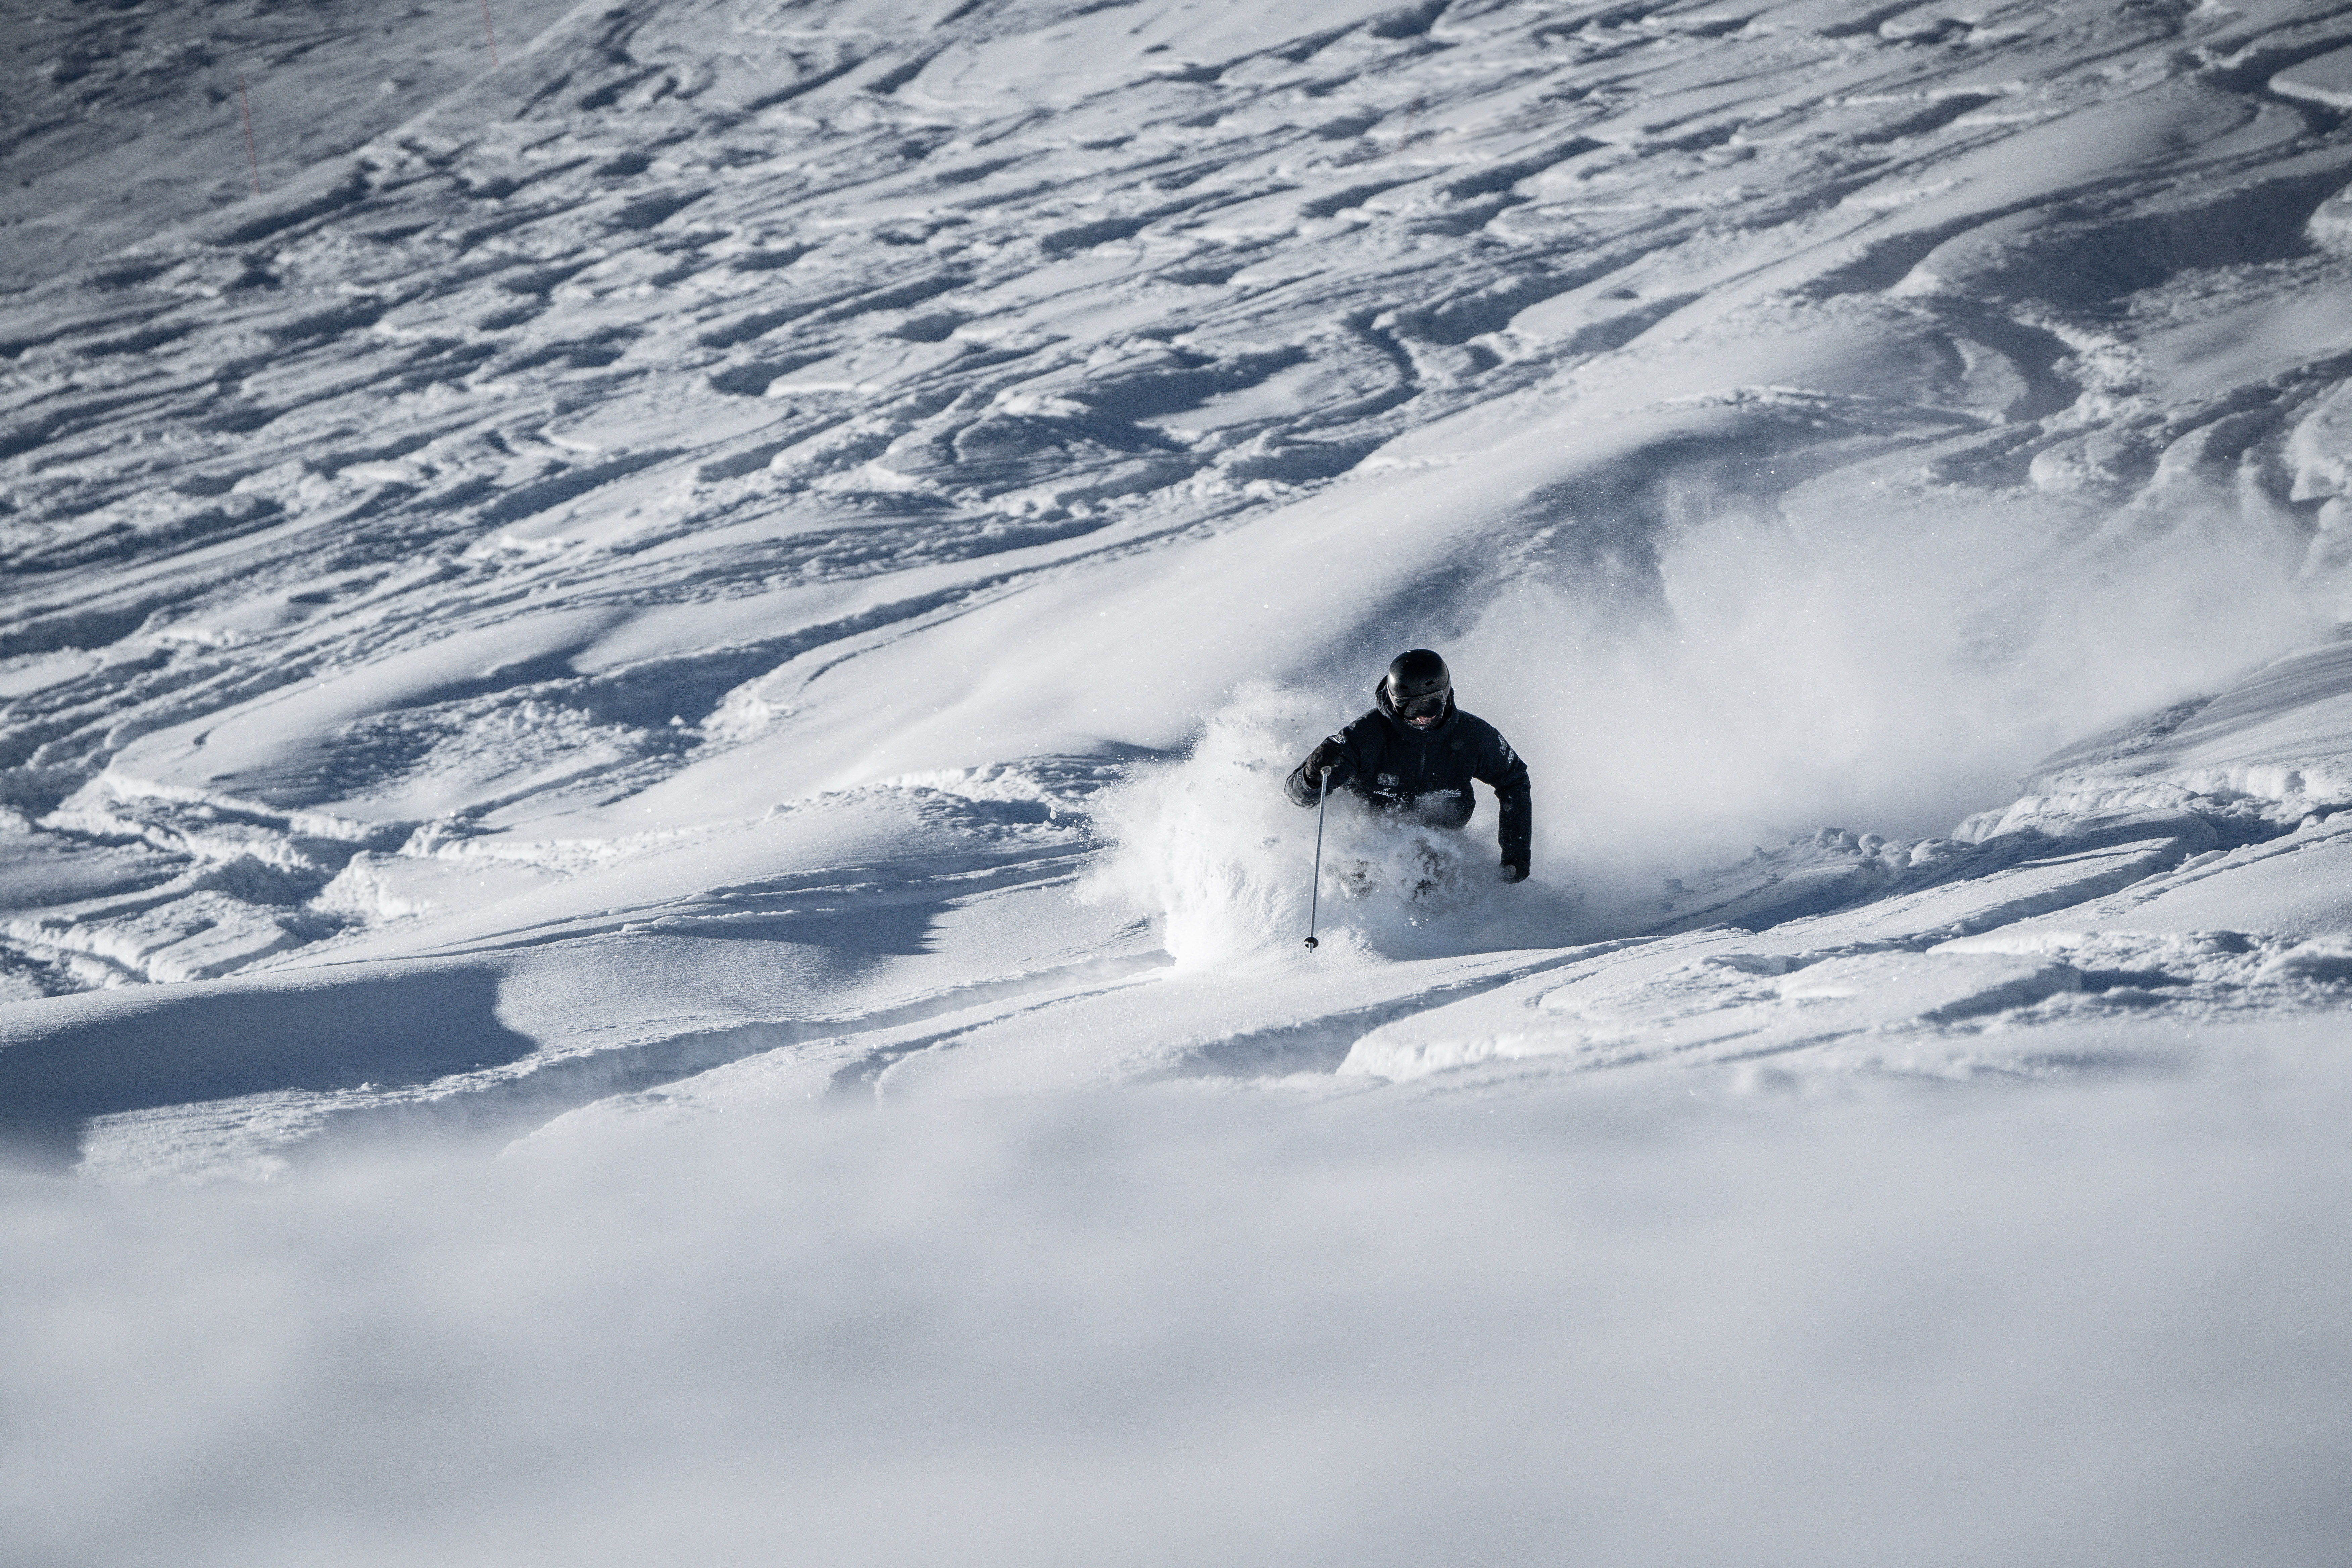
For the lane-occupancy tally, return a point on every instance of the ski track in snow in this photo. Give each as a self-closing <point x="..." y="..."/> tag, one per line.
<point x="764" y="557"/>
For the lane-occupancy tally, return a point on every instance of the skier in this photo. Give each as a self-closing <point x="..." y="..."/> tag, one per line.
<point x="1415" y="751"/>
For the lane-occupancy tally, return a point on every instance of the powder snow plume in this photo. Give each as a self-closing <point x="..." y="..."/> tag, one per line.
<point x="1213" y="848"/>
<point x="1870" y="658"/>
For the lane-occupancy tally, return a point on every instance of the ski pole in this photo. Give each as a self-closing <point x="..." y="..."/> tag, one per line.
<point x="1315" y="889"/>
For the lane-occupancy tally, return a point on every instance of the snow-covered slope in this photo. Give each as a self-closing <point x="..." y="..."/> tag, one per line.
<point x="757" y="557"/>
<point x="1796" y="415"/>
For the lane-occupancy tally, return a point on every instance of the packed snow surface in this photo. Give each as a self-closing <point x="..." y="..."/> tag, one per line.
<point x="646" y="909"/>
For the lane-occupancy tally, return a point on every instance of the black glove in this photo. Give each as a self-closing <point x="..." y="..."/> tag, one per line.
<point x="1322" y="759"/>
<point x="1512" y="873"/>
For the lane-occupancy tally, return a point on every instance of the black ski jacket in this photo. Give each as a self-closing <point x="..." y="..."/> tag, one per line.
<point x="1427" y="772"/>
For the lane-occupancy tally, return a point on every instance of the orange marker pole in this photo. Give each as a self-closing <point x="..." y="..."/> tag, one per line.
<point x="489" y="32"/>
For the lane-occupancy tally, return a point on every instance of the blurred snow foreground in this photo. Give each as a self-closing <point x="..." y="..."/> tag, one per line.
<point x="762" y="558"/>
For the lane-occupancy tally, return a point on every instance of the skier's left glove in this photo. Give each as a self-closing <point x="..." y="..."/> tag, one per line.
<point x="1511" y="873"/>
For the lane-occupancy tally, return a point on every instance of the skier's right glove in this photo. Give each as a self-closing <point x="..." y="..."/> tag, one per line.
<point x="1512" y="873"/>
<point x="1323" y="759"/>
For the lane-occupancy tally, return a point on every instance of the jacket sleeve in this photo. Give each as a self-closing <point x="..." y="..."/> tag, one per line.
<point x="1503" y="768"/>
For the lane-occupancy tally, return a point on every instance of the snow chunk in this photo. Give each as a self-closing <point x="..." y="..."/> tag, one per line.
<point x="2327" y="80"/>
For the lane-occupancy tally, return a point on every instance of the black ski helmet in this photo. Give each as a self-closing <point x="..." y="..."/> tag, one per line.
<point x="1414" y="675"/>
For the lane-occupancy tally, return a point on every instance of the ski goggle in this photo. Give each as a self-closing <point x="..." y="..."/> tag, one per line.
<point x="1428" y="707"/>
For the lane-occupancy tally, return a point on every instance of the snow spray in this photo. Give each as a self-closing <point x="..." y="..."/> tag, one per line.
<point x="1209" y="847"/>
<point x="1869" y="651"/>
